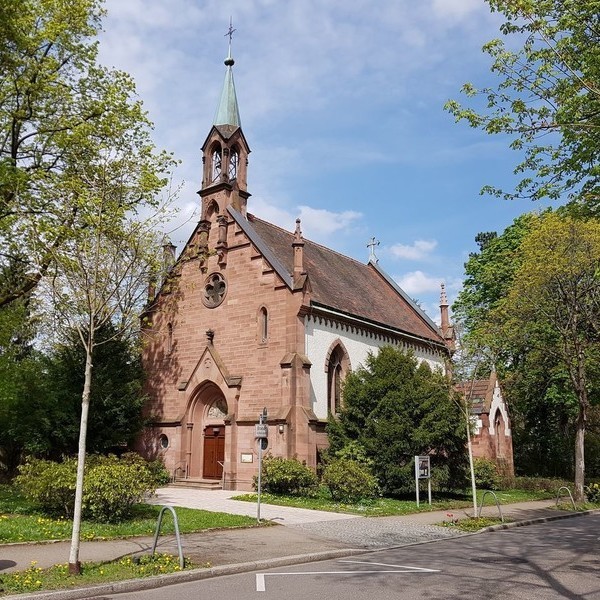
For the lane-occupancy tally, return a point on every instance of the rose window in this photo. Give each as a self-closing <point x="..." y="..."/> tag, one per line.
<point x="215" y="289"/>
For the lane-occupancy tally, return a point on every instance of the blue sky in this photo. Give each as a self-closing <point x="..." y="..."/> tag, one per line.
<point x="341" y="102"/>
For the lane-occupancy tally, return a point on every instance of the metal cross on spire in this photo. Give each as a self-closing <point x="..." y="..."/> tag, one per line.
<point x="230" y="32"/>
<point x="371" y="245"/>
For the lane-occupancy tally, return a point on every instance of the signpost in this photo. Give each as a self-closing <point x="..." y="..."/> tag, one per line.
<point x="423" y="471"/>
<point x="261" y="433"/>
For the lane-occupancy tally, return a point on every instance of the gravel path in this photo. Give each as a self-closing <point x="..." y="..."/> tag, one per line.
<point x="382" y="532"/>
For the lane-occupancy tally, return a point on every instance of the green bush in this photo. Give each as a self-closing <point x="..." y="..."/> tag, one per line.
<point x="592" y="493"/>
<point x="541" y="484"/>
<point x="349" y="481"/>
<point x="486" y="474"/>
<point x="50" y="485"/>
<point x="111" y="486"/>
<point x="287" y="476"/>
<point x="159" y="472"/>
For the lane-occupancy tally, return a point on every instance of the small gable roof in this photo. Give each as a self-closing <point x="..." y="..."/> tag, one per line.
<point x="478" y="392"/>
<point x="341" y="283"/>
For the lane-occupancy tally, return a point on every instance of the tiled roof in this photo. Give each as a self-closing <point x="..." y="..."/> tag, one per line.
<point x="345" y="285"/>
<point x="478" y="392"/>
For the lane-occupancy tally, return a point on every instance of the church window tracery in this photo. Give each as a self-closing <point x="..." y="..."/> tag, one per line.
<point x="337" y="368"/>
<point x="215" y="288"/>
<point x="216" y="164"/>
<point x="233" y="164"/>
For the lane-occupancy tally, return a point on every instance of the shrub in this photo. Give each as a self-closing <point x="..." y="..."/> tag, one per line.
<point x="287" y="476"/>
<point x="592" y="493"/>
<point x="356" y="452"/>
<point x="349" y="481"/>
<point x="486" y="474"/>
<point x="50" y="485"/>
<point x="541" y="484"/>
<point x="111" y="486"/>
<point x="159" y="472"/>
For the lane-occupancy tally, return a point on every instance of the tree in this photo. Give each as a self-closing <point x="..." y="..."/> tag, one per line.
<point x="102" y="282"/>
<point x="548" y="98"/>
<point x="555" y="296"/>
<point x="55" y="103"/>
<point x="116" y="398"/>
<point x="488" y="276"/>
<point x="396" y="408"/>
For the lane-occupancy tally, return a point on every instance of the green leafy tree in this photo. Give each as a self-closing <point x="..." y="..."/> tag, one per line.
<point x="554" y="300"/>
<point x="116" y="398"/>
<point x="396" y="408"/>
<point x="56" y="106"/>
<point x="547" y="99"/>
<point x="488" y="276"/>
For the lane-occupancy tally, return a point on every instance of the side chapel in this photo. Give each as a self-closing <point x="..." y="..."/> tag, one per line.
<point x="252" y="316"/>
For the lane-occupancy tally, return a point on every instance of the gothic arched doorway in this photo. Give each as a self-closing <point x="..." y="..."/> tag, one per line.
<point x="208" y="434"/>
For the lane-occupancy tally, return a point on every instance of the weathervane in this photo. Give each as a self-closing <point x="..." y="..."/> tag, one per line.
<point x="371" y="245"/>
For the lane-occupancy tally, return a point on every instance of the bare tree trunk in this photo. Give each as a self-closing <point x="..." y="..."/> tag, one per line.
<point x="579" y="452"/>
<point x="74" y="563"/>
<point x="471" y="465"/>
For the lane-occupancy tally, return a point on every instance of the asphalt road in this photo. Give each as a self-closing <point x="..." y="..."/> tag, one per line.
<point x="559" y="559"/>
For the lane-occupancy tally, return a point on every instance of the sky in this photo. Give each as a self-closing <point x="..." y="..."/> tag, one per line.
<point x="341" y="102"/>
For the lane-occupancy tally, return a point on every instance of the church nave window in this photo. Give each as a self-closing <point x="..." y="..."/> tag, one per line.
<point x="337" y="368"/>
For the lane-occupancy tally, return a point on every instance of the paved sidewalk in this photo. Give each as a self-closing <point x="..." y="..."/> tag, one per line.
<point x="306" y="532"/>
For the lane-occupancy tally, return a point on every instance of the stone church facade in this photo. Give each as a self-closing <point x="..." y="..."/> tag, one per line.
<point x="251" y="316"/>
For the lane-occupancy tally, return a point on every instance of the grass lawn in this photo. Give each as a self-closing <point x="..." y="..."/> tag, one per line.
<point x="21" y="522"/>
<point x="381" y="507"/>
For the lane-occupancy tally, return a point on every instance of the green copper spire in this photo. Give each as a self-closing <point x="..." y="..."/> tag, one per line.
<point x="227" y="111"/>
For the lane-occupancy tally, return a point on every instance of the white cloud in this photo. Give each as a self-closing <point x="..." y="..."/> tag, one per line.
<point x="318" y="222"/>
<point x="417" y="282"/>
<point x="418" y="251"/>
<point x="456" y="9"/>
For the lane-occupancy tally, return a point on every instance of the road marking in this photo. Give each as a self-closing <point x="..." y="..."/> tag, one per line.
<point x="363" y="562"/>
<point x="260" y="582"/>
<point x="397" y="569"/>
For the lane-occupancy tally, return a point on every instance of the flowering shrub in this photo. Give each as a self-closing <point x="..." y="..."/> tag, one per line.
<point x="592" y="493"/>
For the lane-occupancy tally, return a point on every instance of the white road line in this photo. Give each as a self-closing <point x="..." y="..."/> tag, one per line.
<point x="364" y="562"/>
<point x="260" y="582"/>
<point x="261" y="586"/>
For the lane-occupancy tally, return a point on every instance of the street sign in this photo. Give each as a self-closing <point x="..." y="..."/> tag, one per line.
<point x="261" y="431"/>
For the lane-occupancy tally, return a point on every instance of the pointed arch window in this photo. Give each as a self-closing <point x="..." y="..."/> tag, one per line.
<point x="497" y="425"/>
<point x="337" y="367"/>
<point x="216" y="164"/>
<point x="233" y="164"/>
<point x="169" y="338"/>
<point x="263" y="325"/>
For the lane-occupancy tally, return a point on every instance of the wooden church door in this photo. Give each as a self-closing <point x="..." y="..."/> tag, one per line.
<point x="214" y="451"/>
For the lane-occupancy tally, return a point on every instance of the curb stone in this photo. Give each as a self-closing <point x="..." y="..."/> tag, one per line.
<point x="157" y="581"/>
<point x="502" y="526"/>
<point x="154" y="582"/>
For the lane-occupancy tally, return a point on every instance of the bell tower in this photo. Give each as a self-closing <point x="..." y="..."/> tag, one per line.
<point x="225" y="153"/>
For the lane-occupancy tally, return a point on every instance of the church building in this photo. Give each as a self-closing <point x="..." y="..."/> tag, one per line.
<point x="250" y="317"/>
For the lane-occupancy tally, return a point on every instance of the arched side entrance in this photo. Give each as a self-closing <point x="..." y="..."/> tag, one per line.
<point x="207" y="431"/>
